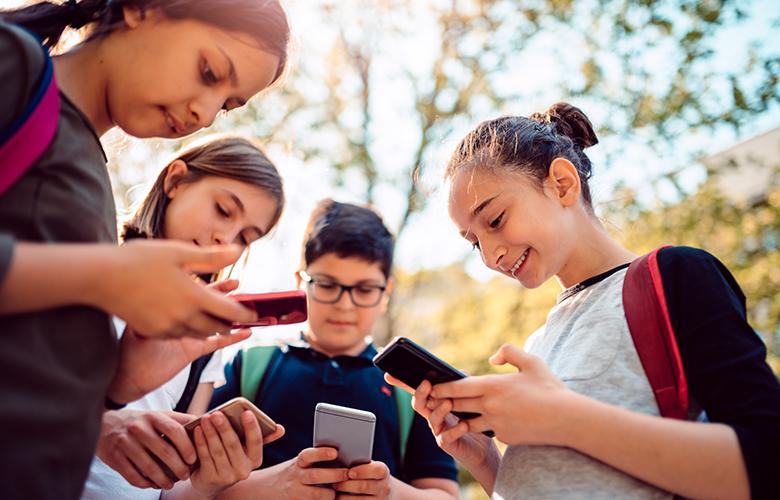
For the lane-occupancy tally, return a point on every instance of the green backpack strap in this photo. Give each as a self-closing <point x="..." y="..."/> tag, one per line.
<point x="253" y="366"/>
<point x="403" y="404"/>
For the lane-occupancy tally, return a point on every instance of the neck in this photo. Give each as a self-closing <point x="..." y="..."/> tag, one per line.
<point x="596" y="252"/>
<point x="352" y="350"/>
<point x="81" y="76"/>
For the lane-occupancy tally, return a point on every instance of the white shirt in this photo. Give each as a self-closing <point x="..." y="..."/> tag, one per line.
<point x="105" y="483"/>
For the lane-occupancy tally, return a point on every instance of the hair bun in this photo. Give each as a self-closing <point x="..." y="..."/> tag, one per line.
<point x="571" y="121"/>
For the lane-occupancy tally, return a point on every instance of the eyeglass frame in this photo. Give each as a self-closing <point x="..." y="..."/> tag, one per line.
<point x="310" y="280"/>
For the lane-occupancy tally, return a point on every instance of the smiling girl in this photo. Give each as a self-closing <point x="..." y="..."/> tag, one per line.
<point x="579" y="415"/>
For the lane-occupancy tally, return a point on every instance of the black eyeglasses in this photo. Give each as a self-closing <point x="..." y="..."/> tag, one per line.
<point x="327" y="291"/>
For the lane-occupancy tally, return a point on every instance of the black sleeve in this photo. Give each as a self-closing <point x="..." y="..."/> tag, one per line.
<point x="724" y="358"/>
<point x="232" y="387"/>
<point x="424" y="458"/>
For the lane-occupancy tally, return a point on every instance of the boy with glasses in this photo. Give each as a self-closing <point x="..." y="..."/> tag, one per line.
<point x="346" y="264"/>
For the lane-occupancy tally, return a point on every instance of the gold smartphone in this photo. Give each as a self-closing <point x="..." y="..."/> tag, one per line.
<point x="232" y="410"/>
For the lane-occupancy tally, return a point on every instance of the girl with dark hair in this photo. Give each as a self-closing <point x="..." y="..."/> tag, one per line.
<point x="579" y="415"/>
<point x="154" y="68"/>
<point x="219" y="192"/>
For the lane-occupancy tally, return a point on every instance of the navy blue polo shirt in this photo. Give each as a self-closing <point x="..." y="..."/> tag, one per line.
<point x="300" y="377"/>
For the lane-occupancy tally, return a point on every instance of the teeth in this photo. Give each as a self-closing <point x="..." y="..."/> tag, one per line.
<point x="519" y="262"/>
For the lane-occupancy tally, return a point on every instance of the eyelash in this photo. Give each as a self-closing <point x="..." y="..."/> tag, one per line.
<point x="211" y="79"/>
<point x="495" y="222"/>
<point x="222" y="211"/>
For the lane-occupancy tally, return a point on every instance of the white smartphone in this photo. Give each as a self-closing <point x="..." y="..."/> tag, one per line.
<point x="349" y="430"/>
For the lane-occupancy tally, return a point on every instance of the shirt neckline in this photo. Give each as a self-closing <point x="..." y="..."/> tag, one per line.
<point x="582" y="285"/>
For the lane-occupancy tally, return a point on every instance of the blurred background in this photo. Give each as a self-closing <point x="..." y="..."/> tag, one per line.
<point x="685" y="96"/>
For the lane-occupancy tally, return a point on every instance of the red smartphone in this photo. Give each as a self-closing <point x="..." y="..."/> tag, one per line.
<point x="274" y="308"/>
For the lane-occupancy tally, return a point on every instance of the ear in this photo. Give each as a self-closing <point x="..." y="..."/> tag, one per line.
<point x="564" y="180"/>
<point x="133" y="16"/>
<point x="174" y="173"/>
<point x="298" y="280"/>
<point x="388" y="292"/>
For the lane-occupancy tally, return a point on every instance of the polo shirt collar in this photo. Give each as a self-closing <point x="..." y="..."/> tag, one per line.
<point x="303" y="346"/>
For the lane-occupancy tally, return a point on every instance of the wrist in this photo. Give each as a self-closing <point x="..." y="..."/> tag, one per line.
<point x="99" y="265"/>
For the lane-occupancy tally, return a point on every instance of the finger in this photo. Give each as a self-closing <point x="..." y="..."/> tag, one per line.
<point x="128" y="471"/>
<point x="469" y="387"/>
<point x="311" y="456"/>
<point x="279" y="432"/>
<point x="174" y="431"/>
<point x="225" y="286"/>
<point x="204" y="455"/>
<point x="473" y="405"/>
<point x="213" y="441"/>
<point x="207" y="259"/>
<point x="253" y="440"/>
<point x="320" y="475"/>
<point x="478" y="424"/>
<point x="144" y="463"/>
<point x="372" y="470"/>
<point x="452" y="434"/>
<point x="216" y="342"/>
<point x="420" y="398"/>
<point x="509" y="354"/>
<point x="180" y="418"/>
<point x="397" y="383"/>
<point x="437" y="420"/>
<point x="204" y="325"/>
<point x="357" y="486"/>
<point x="224" y="308"/>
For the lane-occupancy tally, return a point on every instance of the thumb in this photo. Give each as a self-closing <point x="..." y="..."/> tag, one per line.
<point x="509" y="354"/>
<point x="181" y="418"/>
<point x="225" y="286"/>
<point x="208" y="259"/>
<point x="216" y="342"/>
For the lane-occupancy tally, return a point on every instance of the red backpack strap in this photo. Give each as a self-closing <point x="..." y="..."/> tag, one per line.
<point x="651" y="329"/>
<point x="25" y="141"/>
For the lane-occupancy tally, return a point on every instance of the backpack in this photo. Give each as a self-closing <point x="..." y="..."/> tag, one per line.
<point x="257" y="359"/>
<point x="196" y="370"/>
<point x="28" y="137"/>
<point x="651" y="329"/>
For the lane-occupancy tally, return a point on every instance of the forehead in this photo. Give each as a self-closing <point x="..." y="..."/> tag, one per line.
<point x="346" y="269"/>
<point x="471" y="187"/>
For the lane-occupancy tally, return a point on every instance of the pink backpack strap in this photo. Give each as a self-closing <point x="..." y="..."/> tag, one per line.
<point x="651" y="329"/>
<point x="25" y="141"/>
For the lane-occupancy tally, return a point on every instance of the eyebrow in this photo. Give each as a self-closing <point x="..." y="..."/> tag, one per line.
<point x="369" y="281"/>
<point x="233" y="75"/>
<point x="477" y="210"/>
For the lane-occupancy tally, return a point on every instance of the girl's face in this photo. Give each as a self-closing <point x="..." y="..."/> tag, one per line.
<point x="216" y="210"/>
<point x="170" y="78"/>
<point x="522" y="230"/>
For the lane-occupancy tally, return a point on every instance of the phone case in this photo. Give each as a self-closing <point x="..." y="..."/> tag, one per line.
<point x="274" y="308"/>
<point x="411" y="364"/>
<point x="349" y="430"/>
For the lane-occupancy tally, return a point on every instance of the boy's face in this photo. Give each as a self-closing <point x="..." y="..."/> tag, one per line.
<point x="341" y="327"/>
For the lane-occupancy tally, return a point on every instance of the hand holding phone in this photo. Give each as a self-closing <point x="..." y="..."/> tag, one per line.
<point x="274" y="308"/>
<point x="348" y="430"/>
<point x="411" y="364"/>
<point x="232" y="410"/>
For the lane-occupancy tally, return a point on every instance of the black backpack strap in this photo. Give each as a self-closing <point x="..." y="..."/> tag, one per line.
<point x="196" y="369"/>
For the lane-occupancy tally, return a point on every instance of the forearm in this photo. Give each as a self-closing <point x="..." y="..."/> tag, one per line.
<point x="183" y="490"/>
<point x="424" y="489"/>
<point x="485" y="473"/>
<point x="48" y="276"/>
<point x="691" y="459"/>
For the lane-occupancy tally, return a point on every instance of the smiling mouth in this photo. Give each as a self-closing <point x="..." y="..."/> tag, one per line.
<point x="341" y="323"/>
<point x="519" y="263"/>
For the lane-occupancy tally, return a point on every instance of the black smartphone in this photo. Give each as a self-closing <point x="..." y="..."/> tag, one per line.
<point x="411" y="364"/>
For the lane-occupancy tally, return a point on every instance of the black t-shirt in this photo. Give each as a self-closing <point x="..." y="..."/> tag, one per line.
<point x="724" y="358"/>
<point x="55" y="365"/>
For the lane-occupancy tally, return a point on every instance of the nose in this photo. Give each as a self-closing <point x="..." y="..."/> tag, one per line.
<point x="225" y="235"/>
<point x="345" y="301"/>
<point x="204" y="108"/>
<point x="492" y="255"/>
